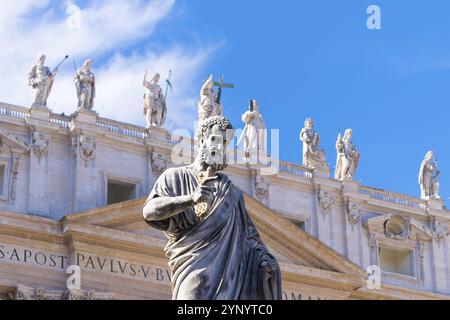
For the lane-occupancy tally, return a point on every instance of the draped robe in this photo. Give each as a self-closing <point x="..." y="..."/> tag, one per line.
<point x="220" y="256"/>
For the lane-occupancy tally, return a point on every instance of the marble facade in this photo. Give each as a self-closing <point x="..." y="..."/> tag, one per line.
<point x="56" y="174"/>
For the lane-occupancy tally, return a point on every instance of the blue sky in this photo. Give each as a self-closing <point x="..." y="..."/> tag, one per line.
<point x="299" y="59"/>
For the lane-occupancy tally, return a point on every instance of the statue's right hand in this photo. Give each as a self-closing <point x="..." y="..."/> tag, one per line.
<point x="203" y="193"/>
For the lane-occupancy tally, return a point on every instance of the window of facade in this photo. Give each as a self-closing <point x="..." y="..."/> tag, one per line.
<point x="119" y="191"/>
<point x="397" y="261"/>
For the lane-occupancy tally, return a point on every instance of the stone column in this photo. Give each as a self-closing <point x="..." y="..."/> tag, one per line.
<point x="439" y="255"/>
<point x="38" y="191"/>
<point x="85" y="194"/>
<point x="353" y="231"/>
<point x="325" y="201"/>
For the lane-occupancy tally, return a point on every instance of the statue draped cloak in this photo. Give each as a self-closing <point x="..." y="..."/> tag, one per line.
<point x="40" y="95"/>
<point x="220" y="257"/>
<point x="312" y="154"/>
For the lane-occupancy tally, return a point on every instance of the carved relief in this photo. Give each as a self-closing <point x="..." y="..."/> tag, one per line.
<point x="439" y="230"/>
<point x="22" y="292"/>
<point x="159" y="163"/>
<point x="261" y="187"/>
<point x="353" y="211"/>
<point x="87" y="148"/>
<point x="397" y="227"/>
<point x="87" y="295"/>
<point x="40" y="144"/>
<point x="27" y="293"/>
<point x="326" y="201"/>
<point x="14" y="173"/>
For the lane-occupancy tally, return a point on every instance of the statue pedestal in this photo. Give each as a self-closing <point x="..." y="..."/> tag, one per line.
<point x="40" y="113"/>
<point x="436" y="204"/>
<point x="350" y="186"/>
<point x="85" y="116"/>
<point x="323" y="172"/>
<point x="159" y="134"/>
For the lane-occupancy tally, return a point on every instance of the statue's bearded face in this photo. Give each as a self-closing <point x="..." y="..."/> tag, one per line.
<point x="213" y="149"/>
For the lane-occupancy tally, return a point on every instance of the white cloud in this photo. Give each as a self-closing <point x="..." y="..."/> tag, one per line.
<point x="29" y="28"/>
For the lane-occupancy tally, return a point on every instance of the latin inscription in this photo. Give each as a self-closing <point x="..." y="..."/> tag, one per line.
<point x="85" y="262"/>
<point x="103" y="264"/>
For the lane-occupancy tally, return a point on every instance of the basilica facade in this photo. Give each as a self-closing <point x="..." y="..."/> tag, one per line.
<point x="72" y="189"/>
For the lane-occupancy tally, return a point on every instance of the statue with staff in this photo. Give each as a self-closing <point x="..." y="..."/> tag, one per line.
<point x="40" y="78"/>
<point x="347" y="157"/>
<point x="254" y="135"/>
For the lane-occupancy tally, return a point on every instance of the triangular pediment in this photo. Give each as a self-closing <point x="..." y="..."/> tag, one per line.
<point x="11" y="141"/>
<point x="287" y="242"/>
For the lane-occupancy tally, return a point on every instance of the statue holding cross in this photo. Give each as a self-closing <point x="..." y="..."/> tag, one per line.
<point x="209" y="104"/>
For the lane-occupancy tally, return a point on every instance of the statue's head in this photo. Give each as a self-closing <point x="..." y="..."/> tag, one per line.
<point x="41" y="59"/>
<point x="88" y="65"/>
<point x="212" y="138"/>
<point x="309" y="123"/>
<point x="156" y="78"/>
<point x="429" y="155"/>
<point x="209" y="83"/>
<point x="348" y="134"/>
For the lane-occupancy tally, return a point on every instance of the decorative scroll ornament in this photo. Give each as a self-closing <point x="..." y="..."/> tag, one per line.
<point x="40" y="144"/>
<point x="159" y="163"/>
<point x="261" y="187"/>
<point x="87" y="148"/>
<point x="439" y="230"/>
<point x="353" y="211"/>
<point x="326" y="201"/>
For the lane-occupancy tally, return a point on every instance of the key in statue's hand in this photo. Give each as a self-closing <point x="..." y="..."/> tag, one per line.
<point x="203" y="193"/>
<point x="203" y="196"/>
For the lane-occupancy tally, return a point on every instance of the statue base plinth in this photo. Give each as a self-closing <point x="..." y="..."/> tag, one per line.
<point x="158" y="133"/>
<point x="85" y="116"/>
<point x="323" y="171"/>
<point x="436" y="204"/>
<point x="350" y="186"/>
<point x="42" y="113"/>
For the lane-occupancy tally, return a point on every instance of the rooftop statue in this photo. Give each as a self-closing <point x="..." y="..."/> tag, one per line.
<point x="254" y="134"/>
<point x="85" y="85"/>
<point x="208" y="106"/>
<point x="313" y="155"/>
<point x="347" y="157"/>
<point x="40" y="78"/>
<point x="214" y="250"/>
<point x="155" y="110"/>
<point x="428" y="177"/>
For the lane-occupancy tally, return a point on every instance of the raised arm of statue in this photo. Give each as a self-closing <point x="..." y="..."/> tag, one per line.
<point x="145" y="83"/>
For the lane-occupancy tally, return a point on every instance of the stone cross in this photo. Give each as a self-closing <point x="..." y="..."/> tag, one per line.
<point x="220" y="84"/>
